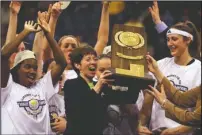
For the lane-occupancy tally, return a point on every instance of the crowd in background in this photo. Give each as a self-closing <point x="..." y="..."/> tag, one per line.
<point x="82" y="18"/>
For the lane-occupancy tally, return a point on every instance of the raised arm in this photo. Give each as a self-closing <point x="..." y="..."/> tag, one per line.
<point x="186" y="117"/>
<point x="38" y="50"/>
<point x="145" y="114"/>
<point x="60" y="60"/>
<point x="10" y="48"/>
<point x="183" y="116"/>
<point x="103" y="32"/>
<point x="154" y="11"/>
<point x="39" y="41"/>
<point x="13" y="19"/>
<point x="55" y="12"/>
<point x="161" y="28"/>
<point x="184" y="99"/>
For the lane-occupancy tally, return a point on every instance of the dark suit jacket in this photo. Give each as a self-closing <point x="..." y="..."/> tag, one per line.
<point x="86" y="110"/>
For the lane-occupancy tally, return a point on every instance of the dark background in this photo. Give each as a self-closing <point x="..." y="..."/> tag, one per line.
<point x="82" y="18"/>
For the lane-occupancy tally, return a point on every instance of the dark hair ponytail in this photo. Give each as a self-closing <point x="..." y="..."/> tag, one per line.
<point x="195" y="45"/>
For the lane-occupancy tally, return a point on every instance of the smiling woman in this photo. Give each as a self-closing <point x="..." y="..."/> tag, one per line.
<point x="182" y="70"/>
<point x="25" y="68"/>
<point x="87" y="101"/>
<point x="21" y="92"/>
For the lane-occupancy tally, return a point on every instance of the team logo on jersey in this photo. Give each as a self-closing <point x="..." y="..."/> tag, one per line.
<point x="32" y="104"/>
<point x="176" y="81"/>
<point x="54" y="112"/>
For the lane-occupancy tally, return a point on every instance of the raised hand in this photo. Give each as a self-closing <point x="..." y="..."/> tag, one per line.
<point x="160" y="96"/>
<point x="15" y="6"/>
<point x="30" y="26"/>
<point x="42" y="21"/>
<point x="49" y="13"/>
<point x="152" y="64"/>
<point x="154" y="10"/>
<point x="45" y="15"/>
<point x="56" y="9"/>
<point x="106" y="2"/>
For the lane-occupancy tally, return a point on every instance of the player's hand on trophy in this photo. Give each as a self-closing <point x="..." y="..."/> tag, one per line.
<point x="154" y="10"/>
<point x="104" y="79"/>
<point x="152" y="64"/>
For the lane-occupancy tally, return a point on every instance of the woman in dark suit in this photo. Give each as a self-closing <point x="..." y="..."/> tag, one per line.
<point x="85" y="101"/>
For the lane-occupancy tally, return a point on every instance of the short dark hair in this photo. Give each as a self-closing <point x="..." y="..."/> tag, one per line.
<point x="78" y="53"/>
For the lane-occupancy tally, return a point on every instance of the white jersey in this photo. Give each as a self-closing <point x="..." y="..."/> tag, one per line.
<point x="56" y="107"/>
<point x="56" y="103"/>
<point x="26" y="109"/>
<point x="70" y="74"/>
<point x="183" y="78"/>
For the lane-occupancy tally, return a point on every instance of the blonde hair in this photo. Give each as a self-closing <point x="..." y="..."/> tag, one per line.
<point x="66" y="36"/>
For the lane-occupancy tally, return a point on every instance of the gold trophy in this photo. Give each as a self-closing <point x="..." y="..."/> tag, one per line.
<point x="129" y="47"/>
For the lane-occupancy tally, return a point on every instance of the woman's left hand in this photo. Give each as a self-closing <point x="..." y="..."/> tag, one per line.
<point x="43" y="22"/>
<point x="103" y="77"/>
<point x="160" y="96"/>
<point x="103" y="80"/>
<point x="59" y="125"/>
<point x="152" y="64"/>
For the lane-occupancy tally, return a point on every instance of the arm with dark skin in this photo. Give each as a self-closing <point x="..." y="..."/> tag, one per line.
<point x="60" y="60"/>
<point x="11" y="47"/>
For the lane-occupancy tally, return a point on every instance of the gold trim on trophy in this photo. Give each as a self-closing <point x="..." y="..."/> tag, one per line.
<point x="129" y="39"/>
<point x="121" y="55"/>
<point x="135" y="70"/>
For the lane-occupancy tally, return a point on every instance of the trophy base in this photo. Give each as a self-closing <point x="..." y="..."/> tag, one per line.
<point x="126" y="80"/>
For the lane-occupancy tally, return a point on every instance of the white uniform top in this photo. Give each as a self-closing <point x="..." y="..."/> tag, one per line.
<point x="25" y="110"/>
<point x="70" y="74"/>
<point x="56" y="103"/>
<point x="56" y="107"/>
<point x="183" y="78"/>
